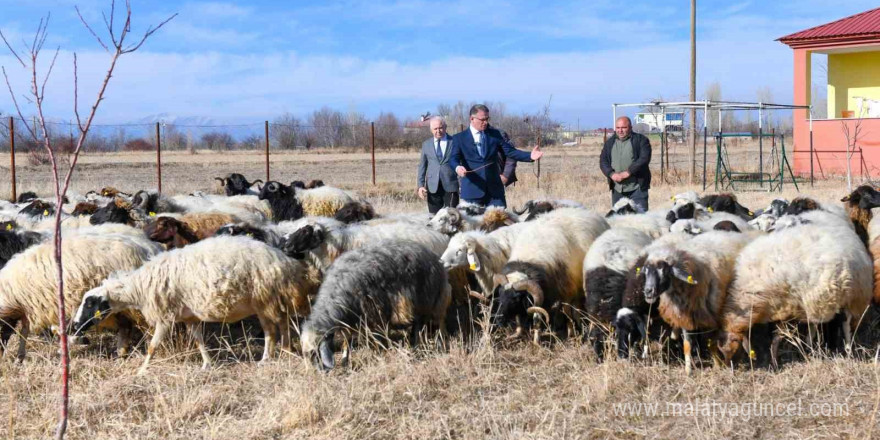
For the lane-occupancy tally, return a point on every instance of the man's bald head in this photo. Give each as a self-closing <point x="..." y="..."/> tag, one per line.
<point x="623" y="127"/>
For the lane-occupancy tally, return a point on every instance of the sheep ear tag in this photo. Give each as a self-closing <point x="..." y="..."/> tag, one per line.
<point x="473" y="261"/>
<point x="684" y="276"/>
<point x="45" y="213"/>
<point x="152" y="214"/>
<point x="97" y="314"/>
<point x="9" y="226"/>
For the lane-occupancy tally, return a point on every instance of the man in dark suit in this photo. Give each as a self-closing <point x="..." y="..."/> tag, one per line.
<point x="508" y="166"/>
<point x="437" y="182"/>
<point x="475" y="159"/>
<point x="625" y="160"/>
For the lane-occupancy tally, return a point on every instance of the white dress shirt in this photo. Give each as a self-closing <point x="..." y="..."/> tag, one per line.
<point x="444" y="141"/>
<point x="475" y="134"/>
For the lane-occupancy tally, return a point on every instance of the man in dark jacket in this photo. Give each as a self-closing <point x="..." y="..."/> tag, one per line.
<point x="506" y="164"/>
<point x="625" y="161"/>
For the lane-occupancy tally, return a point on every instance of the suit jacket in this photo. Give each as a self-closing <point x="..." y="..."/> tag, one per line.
<point x="434" y="173"/>
<point x="485" y="179"/>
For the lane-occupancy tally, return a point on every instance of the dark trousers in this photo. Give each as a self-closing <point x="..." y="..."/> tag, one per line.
<point x="441" y="199"/>
<point x="639" y="197"/>
<point x="489" y="201"/>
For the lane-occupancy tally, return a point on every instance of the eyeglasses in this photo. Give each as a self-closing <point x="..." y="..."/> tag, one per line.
<point x="486" y="119"/>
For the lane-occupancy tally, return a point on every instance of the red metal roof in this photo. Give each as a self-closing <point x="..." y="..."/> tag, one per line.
<point x="855" y="28"/>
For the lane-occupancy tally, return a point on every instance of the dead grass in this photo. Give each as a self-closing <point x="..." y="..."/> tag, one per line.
<point x="467" y="392"/>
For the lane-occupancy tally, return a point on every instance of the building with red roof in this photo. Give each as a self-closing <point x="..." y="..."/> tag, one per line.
<point x="852" y="45"/>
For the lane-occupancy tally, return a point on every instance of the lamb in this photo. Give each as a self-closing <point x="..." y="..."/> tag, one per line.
<point x="222" y="279"/>
<point x="807" y="273"/>
<point x="606" y="265"/>
<point x="235" y="184"/>
<point x="689" y="282"/>
<point x="545" y="267"/>
<point x="388" y="284"/>
<point x="27" y="282"/>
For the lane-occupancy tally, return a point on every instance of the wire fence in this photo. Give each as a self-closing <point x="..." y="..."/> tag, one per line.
<point x="182" y="158"/>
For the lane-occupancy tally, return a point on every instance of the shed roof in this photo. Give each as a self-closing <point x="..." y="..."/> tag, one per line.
<point x="861" y="27"/>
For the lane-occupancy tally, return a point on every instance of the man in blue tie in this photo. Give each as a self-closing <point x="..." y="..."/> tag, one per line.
<point x="437" y="182"/>
<point x="475" y="159"/>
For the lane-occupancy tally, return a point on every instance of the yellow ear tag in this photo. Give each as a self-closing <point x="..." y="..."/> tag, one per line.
<point x="82" y="215"/>
<point x="97" y="314"/>
<point x="672" y="198"/>
<point x="751" y="213"/>
<point x="752" y="355"/>
<point x="710" y="209"/>
<point x="152" y="214"/>
<point x="638" y="269"/>
<point x="9" y="226"/>
<point x="473" y="261"/>
<point x="46" y="213"/>
<point x="250" y="234"/>
<point x="690" y="279"/>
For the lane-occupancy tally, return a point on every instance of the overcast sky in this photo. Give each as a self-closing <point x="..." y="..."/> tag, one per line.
<point x="249" y="61"/>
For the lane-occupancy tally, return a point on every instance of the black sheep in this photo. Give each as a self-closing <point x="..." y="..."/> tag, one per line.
<point x="282" y="200"/>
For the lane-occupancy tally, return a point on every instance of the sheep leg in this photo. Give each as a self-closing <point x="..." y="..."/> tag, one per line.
<point x="22" y="338"/>
<point x="7" y="329"/>
<point x="847" y="333"/>
<point x="158" y="336"/>
<point x="270" y="331"/>
<point x="716" y="354"/>
<point x="123" y="335"/>
<point x="774" y="350"/>
<point x="686" y="343"/>
<point x="197" y="332"/>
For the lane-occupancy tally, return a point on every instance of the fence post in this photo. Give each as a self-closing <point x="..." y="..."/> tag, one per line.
<point x="373" y="149"/>
<point x="604" y="135"/>
<point x="12" y="156"/>
<point x="267" y="151"/>
<point x="158" y="157"/>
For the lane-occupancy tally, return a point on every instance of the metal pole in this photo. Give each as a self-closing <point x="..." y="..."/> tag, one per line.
<point x="604" y="135"/>
<point x="373" y="149"/>
<point x="662" y="152"/>
<point x="811" y="147"/>
<point x="693" y="93"/>
<point x="158" y="157"/>
<point x="761" y="144"/>
<point x="12" y="156"/>
<point x="267" y="150"/>
<point x="705" y="133"/>
<point x="718" y="157"/>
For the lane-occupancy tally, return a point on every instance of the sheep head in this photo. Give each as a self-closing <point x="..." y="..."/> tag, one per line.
<point x="317" y="348"/>
<point x="84" y="208"/>
<point x="729" y="344"/>
<point x="95" y="307"/>
<point x="242" y="229"/>
<point x="446" y="221"/>
<point x="304" y="239"/>
<point x="455" y="254"/>
<point x="315" y="183"/>
<point x="235" y="184"/>
<point x="630" y="329"/>
<point x="865" y="196"/>
<point x="800" y="205"/>
<point x="110" y="214"/>
<point x="518" y="298"/>
<point x="163" y="229"/>
<point x="660" y="273"/>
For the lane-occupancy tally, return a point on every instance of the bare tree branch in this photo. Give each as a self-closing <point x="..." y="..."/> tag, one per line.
<point x="9" y="46"/>
<point x="83" y="20"/>
<point x="17" y="107"/>
<point x="49" y="72"/>
<point x="149" y="32"/>
<point x="76" y="93"/>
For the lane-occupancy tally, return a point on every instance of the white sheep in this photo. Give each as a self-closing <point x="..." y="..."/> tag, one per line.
<point x="221" y="279"/>
<point x="806" y="273"/>
<point x="28" y="281"/>
<point x="483" y="253"/>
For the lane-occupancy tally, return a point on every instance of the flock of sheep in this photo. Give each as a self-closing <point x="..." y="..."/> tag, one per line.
<point x="319" y="264"/>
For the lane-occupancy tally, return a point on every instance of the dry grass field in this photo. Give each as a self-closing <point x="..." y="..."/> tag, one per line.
<point x="470" y="391"/>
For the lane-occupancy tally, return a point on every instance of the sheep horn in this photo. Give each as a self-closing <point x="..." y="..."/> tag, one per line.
<point x="455" y="216"/>
<point x="255" y="182"/>
<point x="272" y="187"/>
<point x="533" y="288"/>
<point x="478" y="296"/>
<point x="539" y="310"/>
<point x="222" y="181"/>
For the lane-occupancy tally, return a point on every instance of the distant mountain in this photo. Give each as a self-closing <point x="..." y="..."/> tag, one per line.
<point x="238" y="128"/>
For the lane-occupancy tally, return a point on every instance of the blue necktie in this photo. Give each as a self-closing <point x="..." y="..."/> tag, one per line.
<point x="439" y="151"/>
<point x="481" y="144"/>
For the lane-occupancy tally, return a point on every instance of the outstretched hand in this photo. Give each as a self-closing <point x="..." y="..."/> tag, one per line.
<point x="537" y="153"/>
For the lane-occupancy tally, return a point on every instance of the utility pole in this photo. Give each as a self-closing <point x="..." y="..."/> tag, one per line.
<point x="693" y="94"/>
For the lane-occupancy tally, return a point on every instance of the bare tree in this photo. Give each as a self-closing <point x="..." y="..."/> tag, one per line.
<point x="284" y="131"/>
<point x="39" y="132"/>
<point x="852" y="138"/>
